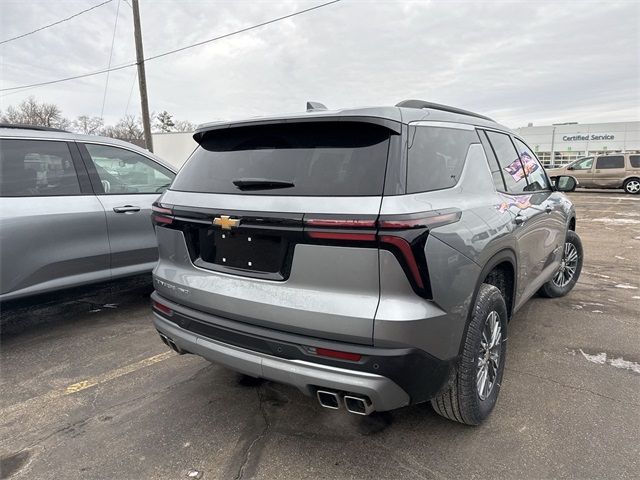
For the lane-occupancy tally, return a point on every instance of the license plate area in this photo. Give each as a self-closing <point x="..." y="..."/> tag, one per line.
<point x="252" y="251"/>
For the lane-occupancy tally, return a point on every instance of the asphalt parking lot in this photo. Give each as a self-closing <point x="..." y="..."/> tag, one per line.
<point x="89" y="391"/>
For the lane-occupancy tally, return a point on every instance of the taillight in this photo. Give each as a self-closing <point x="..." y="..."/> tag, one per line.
<point x="161" y="215"/>
<point x="341" y="229"/>
<point x="405" y="250"/>
<point x="403" y="235"/>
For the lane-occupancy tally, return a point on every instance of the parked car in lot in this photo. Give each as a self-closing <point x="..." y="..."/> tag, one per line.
<point x="370" y="257"/>
<point x="74" y="209"/>
<point x="617" y="170"/>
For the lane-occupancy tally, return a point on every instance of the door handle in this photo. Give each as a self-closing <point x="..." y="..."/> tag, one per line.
<point x="126" y="209"/>
<point x="519" y="219"/>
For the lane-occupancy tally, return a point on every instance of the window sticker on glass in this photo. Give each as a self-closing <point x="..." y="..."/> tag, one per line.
<point x="530" y="165"/>
<point x="519" y="201"/>
<point x="515" y="168"/>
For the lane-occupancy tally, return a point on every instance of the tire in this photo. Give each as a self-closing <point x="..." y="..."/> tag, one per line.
<point x="462" y="400"/>
<point x="632" y="186"/>
<point x="560" y="285"/>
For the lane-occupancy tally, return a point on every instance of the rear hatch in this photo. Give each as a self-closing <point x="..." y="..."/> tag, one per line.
<point x="274" y="225"/>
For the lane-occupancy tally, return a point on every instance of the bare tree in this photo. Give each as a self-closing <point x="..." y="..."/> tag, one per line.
<point x="88" y="125"/>
<point x="31" y="112"/>
<point x="184" y="126"/>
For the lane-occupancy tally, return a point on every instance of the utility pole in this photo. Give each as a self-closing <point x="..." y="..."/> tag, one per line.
<point x="142" y="79"/>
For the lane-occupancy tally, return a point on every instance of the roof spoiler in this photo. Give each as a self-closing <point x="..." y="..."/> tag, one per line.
<point x="313" y="106"/>
<point x="438" y="106"/>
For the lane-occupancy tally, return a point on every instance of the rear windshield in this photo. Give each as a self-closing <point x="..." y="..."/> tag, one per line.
<point x="304" y="159"/>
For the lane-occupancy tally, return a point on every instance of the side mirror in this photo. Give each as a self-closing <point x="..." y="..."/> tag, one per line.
<point x="564" y="183"/>
<point x="570" y="168"/>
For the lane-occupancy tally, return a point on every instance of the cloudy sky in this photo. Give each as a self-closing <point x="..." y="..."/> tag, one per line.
<point x="518" y="62"/>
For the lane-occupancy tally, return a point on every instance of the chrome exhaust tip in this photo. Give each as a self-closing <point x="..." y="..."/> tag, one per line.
<point x="328" y="399"/>
<point x="358" y="405"/>
<point x="171" y="344"/>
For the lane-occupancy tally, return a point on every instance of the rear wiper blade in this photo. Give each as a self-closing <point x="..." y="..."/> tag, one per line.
<point x="261" y="183"/>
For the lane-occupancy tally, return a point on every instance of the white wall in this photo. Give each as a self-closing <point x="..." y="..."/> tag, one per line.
<point x="626" y="136"/>
<point x="175" y="148"/>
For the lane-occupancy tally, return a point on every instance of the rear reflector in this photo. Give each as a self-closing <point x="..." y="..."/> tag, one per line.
<point x="325" y="352"/>
<point x="162" y="308"/>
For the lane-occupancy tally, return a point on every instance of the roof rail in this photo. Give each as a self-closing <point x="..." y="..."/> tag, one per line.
<point x="31" y="127"/>
<point x="437" y="106"/>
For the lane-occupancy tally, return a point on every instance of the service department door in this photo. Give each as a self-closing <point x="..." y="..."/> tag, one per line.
<point x="128" y="183"/>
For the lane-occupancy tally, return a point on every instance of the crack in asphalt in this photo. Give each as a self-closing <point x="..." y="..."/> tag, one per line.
<point x="573" y="387"/>
<point x="259" y="437"/>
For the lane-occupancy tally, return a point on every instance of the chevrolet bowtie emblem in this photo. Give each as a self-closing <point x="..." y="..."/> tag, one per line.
<point x="226" y="222"/>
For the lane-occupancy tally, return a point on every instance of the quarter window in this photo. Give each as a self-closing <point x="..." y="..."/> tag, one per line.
<point x="123" y="171"/>
<point x="634" y="160"/>
<point x="436" y="157"/>
<point x="509" y="161"/>
<point x="36" y="168"/>
<point x="610" y="161"/>
<point x="535" y="173"/>
<point x="496" y="174"/>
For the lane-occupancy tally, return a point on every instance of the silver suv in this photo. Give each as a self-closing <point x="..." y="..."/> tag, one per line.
<point x="74" y="209"/>
<point x="370" y="257"/>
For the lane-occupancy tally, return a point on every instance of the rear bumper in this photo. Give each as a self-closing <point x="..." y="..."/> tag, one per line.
<point x="390" y="378"/>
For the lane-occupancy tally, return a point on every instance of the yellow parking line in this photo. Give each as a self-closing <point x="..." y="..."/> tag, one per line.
<point x="87" y="383"/>
<point x="118" y="372"/>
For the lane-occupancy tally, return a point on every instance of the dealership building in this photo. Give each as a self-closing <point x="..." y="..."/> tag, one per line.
<point x="563" y="143"/>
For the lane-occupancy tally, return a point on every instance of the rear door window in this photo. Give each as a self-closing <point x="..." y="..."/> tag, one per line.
<point x="436" y="157"/>
<point x="610" y="161"/>
<point x="36" y="168"/>
<point x="634" y="160"/>
<point x="509" y="160"/>
<point x="303" y="159"/>
<point x="123" y="171"/>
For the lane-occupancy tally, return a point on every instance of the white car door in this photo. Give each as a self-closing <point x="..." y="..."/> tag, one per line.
<point x="127" y="183"/>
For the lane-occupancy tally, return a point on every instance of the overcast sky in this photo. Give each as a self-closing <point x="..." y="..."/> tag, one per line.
<point x="519" y="62"/>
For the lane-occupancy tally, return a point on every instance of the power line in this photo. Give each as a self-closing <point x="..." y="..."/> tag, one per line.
<point x="113" y="40"/>
<point x="164" y="54"/>
<point x="55" y="23"/>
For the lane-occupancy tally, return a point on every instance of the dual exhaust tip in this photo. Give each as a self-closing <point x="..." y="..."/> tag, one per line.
<point x="354" y="404"/>
<point x="171" y="344"/>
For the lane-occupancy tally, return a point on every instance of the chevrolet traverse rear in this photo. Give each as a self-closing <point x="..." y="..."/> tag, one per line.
<point x="369" y="257"/>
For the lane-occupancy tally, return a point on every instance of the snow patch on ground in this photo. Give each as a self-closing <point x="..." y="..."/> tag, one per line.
<point x="615" y="221"/>
<point x="620" y="258"/>
<point x="636" y="297"/>
<point x="627" y="286"/>
<point x="601" y="359"/>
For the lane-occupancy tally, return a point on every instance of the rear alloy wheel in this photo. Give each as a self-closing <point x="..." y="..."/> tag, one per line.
<point x="472" y="393"/>
<point x="567" y="274"/>
<point x="632" y="186"/>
